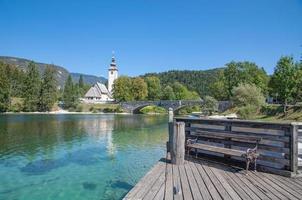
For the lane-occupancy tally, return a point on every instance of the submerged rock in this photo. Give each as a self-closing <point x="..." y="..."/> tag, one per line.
<point x="89" y="186"/>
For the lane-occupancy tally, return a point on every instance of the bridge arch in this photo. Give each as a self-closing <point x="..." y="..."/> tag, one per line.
<point x="137" y="109"/>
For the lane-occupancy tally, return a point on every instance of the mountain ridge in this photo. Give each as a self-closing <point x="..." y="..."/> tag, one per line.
<point x="62" y="72"/>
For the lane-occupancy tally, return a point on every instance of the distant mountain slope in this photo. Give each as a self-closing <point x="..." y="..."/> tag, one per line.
<point x="88" y="79"/>
<point x="62" y="73"/>
<point x="197" y="80"/>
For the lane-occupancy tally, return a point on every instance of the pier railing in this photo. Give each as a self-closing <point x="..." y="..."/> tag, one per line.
<point x="279" y="146"/>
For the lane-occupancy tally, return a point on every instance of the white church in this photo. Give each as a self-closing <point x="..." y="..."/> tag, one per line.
<point x="99" y="93"/>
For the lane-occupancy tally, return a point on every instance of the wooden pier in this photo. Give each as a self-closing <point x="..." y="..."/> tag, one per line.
<point x="201" y="179"/>
<point x="211" y="171"/>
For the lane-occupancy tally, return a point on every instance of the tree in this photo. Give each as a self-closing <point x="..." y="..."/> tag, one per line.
<point x="31" y="88"/>
<point x="297" y="93"/>
<point x="168" y="93"/>
<point x="4" y="90"/>
<point x="231" y="78"/>
<point x="48" y="91"/>
<point x="210" y="105"/>
<point x="282" y="81"/>
<point x="192" y="95"/>
<point x="154" y="87"/>
<point x="248" y="99"/>
<point x="83" y="88"/>
<point x="244" y="72"/>
<point x="180" y="91"/>
<point x="70" y="94"/>
<point x="247" y="94"/>
<point x="122" y="89"/>
<point x="81" y="82"/>
<point x="139" y="89"/>
<point x="218" y="88"/>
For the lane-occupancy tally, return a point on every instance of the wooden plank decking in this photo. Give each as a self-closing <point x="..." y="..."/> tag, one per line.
<point x="207" y="180"/>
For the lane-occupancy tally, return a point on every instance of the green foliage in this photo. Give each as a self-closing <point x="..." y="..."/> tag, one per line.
<point x="297" y="93"/>
<point x="244" y="72"/>
<point x="70" y="94"/>
<point x="81" y="81"/>
<point x="248" y="99"/>
<point x="117" y="109"/>
<point x="283" y="81"/>
<point x="247" y="112"/>
<point x="154" y="87"/>
<point x="195" y="80"/>
<point x="16" y="105"/>
<point x="182" y="93"/>
<point x="271" y="110"/>
<point x="218" y="88"/>
<point x="32" y="88"/>
<point x="4" y="90"/>
<point x="83" y="88"/>
<point x="246" y="94"/>
<point x="153" y="109"/>
<point x="210" y="105"/>
<point x="139" y="89"/>
<point x="48" y="91"/>
<point x="168" y="93"/>
<point x="187" y="110"/>
<point x="79" y="108"/>
<point x="122" y="89"/>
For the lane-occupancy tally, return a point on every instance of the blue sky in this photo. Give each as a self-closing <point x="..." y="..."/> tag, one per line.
<point x="150" y="35"/>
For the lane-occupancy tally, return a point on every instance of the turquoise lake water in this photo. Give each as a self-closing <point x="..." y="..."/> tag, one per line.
<point x="86" y="157"/>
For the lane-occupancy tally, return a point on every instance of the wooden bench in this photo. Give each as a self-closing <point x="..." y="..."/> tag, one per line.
<point x="250" y="154"/>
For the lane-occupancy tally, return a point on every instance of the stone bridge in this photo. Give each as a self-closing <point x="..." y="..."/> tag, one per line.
<point x="135" y="106"/>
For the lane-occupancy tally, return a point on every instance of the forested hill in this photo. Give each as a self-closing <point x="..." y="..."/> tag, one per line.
<point x="61" y="74"/>
<point x="200" y="81"/>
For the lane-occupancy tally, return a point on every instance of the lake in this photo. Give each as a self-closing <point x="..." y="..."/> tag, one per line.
<point x="80" y="156"/>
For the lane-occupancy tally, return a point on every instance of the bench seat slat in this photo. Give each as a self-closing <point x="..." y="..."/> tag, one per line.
<point x="247" y="138"/>
<point x="232" y="152"/>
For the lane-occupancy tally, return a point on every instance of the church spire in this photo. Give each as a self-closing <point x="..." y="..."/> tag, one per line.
<point x="112" y="73"/>
<point x="113" y="64"/>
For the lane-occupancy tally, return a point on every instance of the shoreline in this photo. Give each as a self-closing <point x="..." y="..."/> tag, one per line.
<point x="60" y="113"/>
<point x="75" y="113"/>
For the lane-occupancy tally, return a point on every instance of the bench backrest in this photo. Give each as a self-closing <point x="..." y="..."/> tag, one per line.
<point x="277" y="145"/>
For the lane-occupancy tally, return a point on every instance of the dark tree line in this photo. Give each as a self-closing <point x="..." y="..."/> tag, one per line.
<point x="150" y="88"/>
<point x="28" y="90"/>
<point x="39" y="93"/>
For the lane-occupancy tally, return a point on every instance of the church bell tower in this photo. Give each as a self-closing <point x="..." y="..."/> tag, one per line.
<point x="112" y="74"/>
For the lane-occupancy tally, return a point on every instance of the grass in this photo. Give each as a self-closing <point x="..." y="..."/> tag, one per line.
<point x="274" y="113"/>
<point x="153" y="110"/>
<point x="95" y="108"/>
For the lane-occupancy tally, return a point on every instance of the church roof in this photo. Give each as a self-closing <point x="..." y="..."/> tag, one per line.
<point x="97" y="90"/>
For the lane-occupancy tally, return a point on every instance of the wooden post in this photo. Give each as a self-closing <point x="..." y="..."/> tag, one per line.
<point x="170" y="129"/>
<point x="228" y="127"/>
<point x="294" y="147"/>
<point x="171" y="114"/>
<point x="178" y="144"/>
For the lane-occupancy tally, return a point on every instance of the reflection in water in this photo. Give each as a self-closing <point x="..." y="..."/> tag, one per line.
<point x="77" y="156"/>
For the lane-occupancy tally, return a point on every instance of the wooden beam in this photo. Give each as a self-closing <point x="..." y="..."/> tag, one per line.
<point x="178" y="144"/>
<point x="294" y="147"/>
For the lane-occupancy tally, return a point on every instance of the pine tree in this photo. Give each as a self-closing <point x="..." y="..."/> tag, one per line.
<point x="48" y="91"/>
<point x="81" y="82"/>
<point x="31" y="88"/>
<point x="70" y="94"/>
<point x="4" y="89"/>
